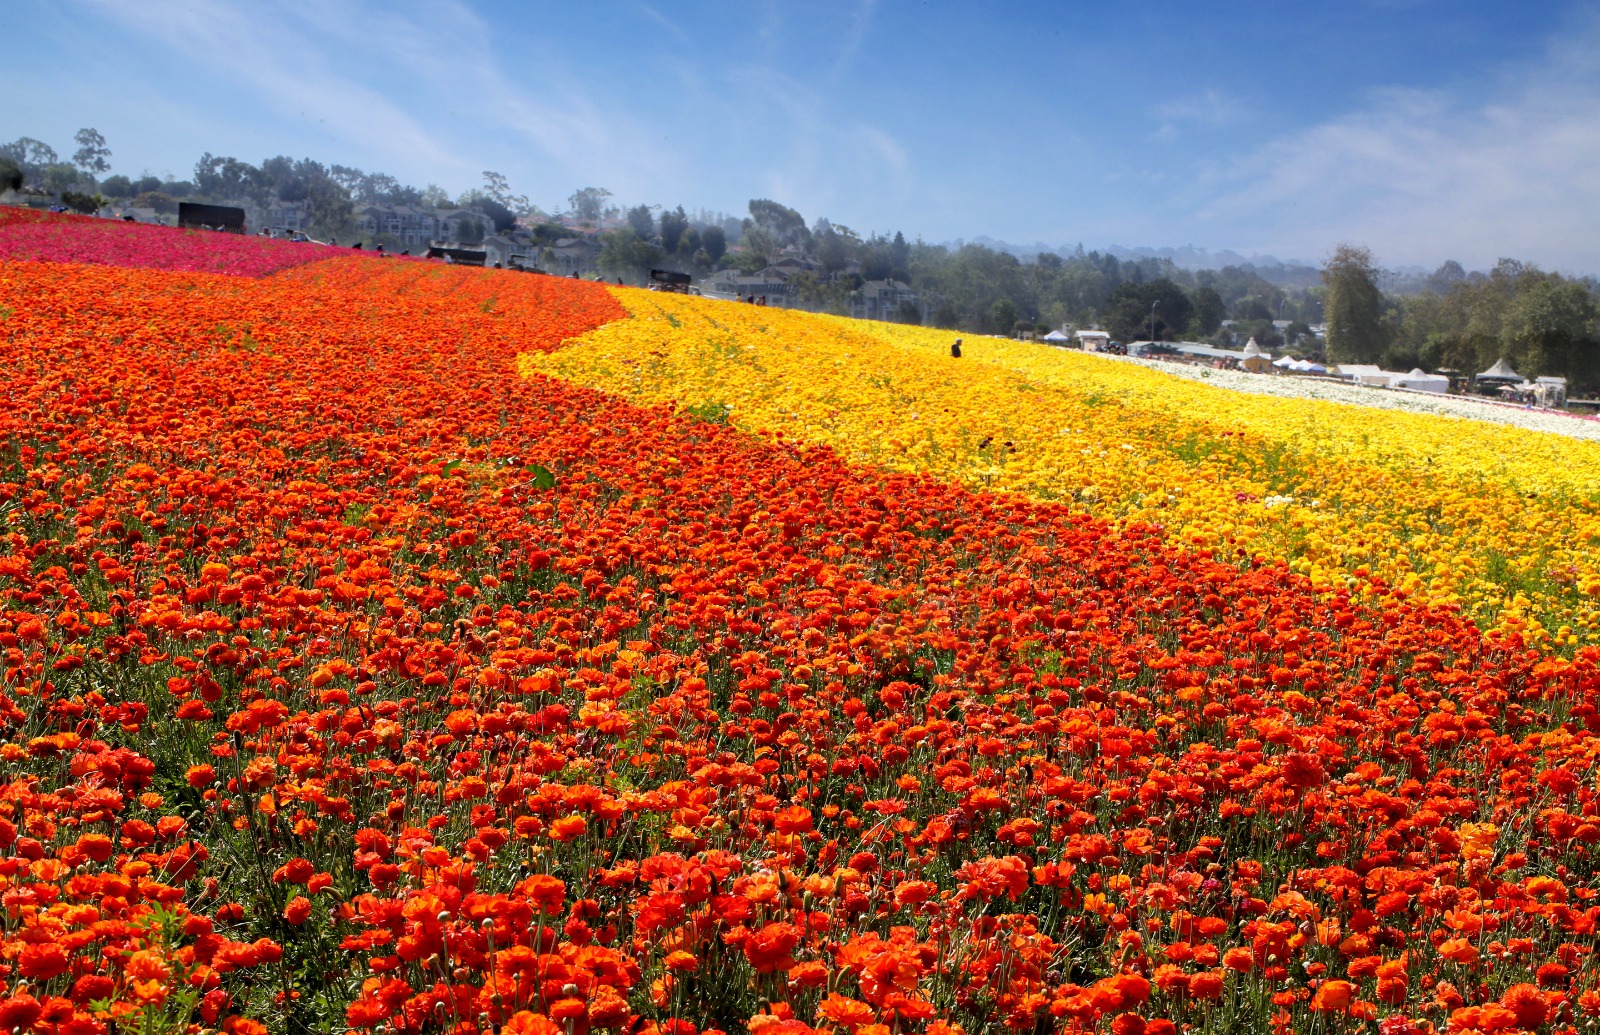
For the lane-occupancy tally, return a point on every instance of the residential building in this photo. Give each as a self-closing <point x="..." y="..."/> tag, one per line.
<point x="570" y="255"/>
<point x="448" y="223"/>
<point x="881" y="299"/>
<point x="415" y="228"/>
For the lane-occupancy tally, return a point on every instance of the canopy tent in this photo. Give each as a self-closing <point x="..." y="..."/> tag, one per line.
<point x="1056" y="336"/>
<point x="1284" y="361"/>
<point x="1419" y="381"/>
<point x="1501" y="371"/>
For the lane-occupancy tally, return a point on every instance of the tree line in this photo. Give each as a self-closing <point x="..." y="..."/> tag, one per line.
<point x="1542" y="323"/>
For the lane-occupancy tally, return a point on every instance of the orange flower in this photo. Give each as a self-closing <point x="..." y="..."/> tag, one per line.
<point x="568" y="828"/>
<point x="1240" y="959"/>
<point x="1333" y="995"/>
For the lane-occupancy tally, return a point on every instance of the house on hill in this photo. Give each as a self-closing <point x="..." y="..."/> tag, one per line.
<point x="415" y="228"/>
<point x="881" y="299"/>
<point x="569" y="255"/>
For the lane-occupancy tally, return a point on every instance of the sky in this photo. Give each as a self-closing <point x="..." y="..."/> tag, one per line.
<point x="1424" y="129"/>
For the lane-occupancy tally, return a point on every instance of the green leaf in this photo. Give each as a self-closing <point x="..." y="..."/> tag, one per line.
<point x="543" y="478"/>
<point x="451" y="466"/>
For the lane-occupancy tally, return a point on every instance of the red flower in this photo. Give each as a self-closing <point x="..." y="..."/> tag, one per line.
<point x="769" y="948"/>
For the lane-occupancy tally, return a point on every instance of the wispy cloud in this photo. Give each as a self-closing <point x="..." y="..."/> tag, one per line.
<point x="1209" y="107"/>
<point x="329" y="62"/>
<point x="1421" y="175"/>
<point x="857" y="28"/>
<point x="280" y="58"/>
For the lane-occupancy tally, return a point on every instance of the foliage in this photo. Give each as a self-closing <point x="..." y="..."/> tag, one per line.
<point x="82" y="202"/>
<point x="623" y="253"/>
<point x="1541" y="323"/>
<point x="784" y="225"/>
<point x="674" y="224"/>
<point x="1208" y="310"/>
<point x="643" y="222"/>
<point x="714" y="243"/>
<point x="587" y="202"/>
<point x="1357" y="330"/>
<point x="92" y="152"/>
<point x="1157" y="310"/>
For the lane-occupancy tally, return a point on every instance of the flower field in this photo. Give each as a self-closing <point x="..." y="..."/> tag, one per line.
<point x="359" y="673"/>
<point x="1497" y="520"/>
<point x="44" y="236"/>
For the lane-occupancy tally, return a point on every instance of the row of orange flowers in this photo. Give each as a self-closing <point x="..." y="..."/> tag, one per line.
<point x="367" y="683"/>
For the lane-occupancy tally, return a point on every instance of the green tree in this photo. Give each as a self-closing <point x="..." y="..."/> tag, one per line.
<point x="92" y="152"/>
<point x="30" y="155"/>
<point x="157" y="201"/>
<point x="83" y="202"/>
<point x="1208" y="311"/>
<point x="1251" y="309"/>
<point x="1357" y="330"/>
<point x="623" y="253"/>
<point x="831" y="249"/>
<point x="1550" y="328"/>
<point x="469" y="232"/>
<point x="784" y="224"/>
<point x="757" y="246"/>
<point x="501" y="216"/>
<point x="899" y="252"/>
<point x="498" y="189"/>
<point x="60" y="177"/>
<point x="10" y="174"/>
<point x="588" y="202"/>
<point x="328" y="205"/>
<point x="1002" y="316"/>
<point x="714" y="241"/>
<point x="228" y="178"/>
<point x="674" y="225"/>
<point x="642" y="222"/>
<point x="1157" y="309"/>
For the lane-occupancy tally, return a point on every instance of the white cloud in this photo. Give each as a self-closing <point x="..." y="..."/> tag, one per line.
<point x="1421" y="176"/>
<point x="312" y="59"/>
<point x="276" y="53"/>
<point x="1209" y="107"/>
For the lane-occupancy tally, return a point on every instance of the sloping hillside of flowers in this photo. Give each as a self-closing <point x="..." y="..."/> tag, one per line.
<point x="354" y="679"/>
<point x="49" y="237"/>
<point x="1500" y="521"/>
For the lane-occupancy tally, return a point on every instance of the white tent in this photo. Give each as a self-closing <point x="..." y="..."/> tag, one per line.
<point x="1365" y="373"/>
<point x="1284" y="361"/>
<point x="1055" y="337"/>
<point x="1421" y="382"/>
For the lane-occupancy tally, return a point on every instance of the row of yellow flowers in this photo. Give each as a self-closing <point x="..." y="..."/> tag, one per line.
<point x="1500" y="520"/>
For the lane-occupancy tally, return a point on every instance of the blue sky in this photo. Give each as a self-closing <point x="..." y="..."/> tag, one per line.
<point x="1425" y="129"/>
